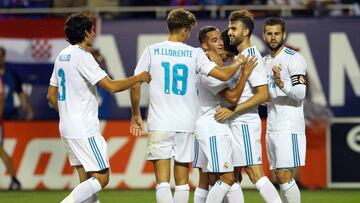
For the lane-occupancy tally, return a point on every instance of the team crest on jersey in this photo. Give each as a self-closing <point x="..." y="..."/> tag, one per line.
<point x="226" y="165"/>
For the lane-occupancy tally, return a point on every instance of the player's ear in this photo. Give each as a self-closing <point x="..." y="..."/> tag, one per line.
<point x="284" y="36"/>
<point x="204" y="46"/>
<point x="246" y="32"/>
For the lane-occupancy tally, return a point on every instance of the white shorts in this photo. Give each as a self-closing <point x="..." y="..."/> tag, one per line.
<point x="168" y="144"/>
<point x="89" y="152"/>
<point x="246" y="143"/>
<point x="212" y="151"/>
<point x="286" y="150"/>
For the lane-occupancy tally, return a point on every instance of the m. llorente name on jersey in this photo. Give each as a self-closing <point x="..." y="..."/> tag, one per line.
<point x="173" y="52"/>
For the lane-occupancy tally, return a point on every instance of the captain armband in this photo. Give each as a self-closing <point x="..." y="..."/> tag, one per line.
<point x="298" y="79"/>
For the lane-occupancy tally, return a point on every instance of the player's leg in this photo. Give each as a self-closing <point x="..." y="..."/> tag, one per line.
<point x="83" y="176"/>
<point x="220" y="163"/>
<point x="288" y="187"/>
<point x="184" y="152"/>
<point x="290" y="154"/>
<point x="162" y="175"/>
<point x="202" y="189"/>
<point x="15" y="183"/>
<point x="251" y="136"/>
<point x="160" y="151"/>
<point x="95" y="162"/>
<point x="235" y="193"/>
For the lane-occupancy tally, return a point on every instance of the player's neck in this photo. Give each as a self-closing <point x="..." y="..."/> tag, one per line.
<point x="276" y="52"/>
<point x="2" y="70"/>
<point x="176" y="38"/>
<point x="83" y="45"/>
<point x="244" y="45"/>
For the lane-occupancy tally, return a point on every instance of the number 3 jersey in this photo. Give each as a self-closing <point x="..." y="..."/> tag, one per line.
<point x="173" y="66"/>
<point x="75" y="74"/>
<point x="286" y="114"/>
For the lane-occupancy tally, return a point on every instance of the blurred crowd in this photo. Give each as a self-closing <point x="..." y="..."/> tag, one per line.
<point x="315" y="7"/>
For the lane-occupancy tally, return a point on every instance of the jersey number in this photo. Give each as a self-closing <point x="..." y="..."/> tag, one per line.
<point x="179" y="78"/>
<point x="61" y="94"/>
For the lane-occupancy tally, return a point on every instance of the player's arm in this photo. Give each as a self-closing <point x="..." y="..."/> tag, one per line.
<point x="232" y="95"/>
<point x="297" y="89"/>
<point x="113" y="86"/>
<point x="52" y="97"/>
<point x="261" y="96"/>
<point x="226" y="72"/>
<point x="136" y="123"/>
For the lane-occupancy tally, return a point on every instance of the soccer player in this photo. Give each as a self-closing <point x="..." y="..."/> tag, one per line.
<point x="72" y="92"/>
<point x="173" y="105"/>
<point x="213" y="137"/>
<point x="14" y="184"/>
<point x="245" y="122"/>
<point x="285" y="140"/>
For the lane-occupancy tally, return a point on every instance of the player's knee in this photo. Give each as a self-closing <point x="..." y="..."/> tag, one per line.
<point x="212" y="179"/>
<point x="283" y="176"/>
<point x="228" y="178"/>
<point x="255" y="173"/>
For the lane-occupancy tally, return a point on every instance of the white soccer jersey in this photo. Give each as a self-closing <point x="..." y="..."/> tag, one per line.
<point x="257" y="78"/>
<point x="284" y="113"/>
<point x="173" y="95"/>
<point x="208" y="88"/>
<point x="75" y="74"/>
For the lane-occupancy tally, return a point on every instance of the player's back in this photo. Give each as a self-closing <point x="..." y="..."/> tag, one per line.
<point x="285" y="113"/>
<point x="78" y="107"/>
<point x="173" y="95"/>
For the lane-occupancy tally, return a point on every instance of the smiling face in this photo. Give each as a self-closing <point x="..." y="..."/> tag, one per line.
<point x="237" y="32"/>
<point x="214" y="42"/>
<point x="274" y="37"/>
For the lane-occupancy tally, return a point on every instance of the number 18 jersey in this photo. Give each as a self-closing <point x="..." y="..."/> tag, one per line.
<point x="173" y="66"/>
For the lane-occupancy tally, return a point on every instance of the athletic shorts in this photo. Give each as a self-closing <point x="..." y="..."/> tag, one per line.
<point x="168" y="144"/>
<point x="246" y="143"/>
<point x="286" y="150"/>
<point x="91" y="152"/>
<point x="212" y="146"/>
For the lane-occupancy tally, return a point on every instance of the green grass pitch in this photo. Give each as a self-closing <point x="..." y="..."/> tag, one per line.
<point x="148" y="196"/>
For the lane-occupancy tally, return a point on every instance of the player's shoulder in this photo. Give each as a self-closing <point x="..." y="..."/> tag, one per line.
<point x="294" y="55"/>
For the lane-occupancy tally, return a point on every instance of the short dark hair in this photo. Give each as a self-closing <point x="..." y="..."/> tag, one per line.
<point x="203" y="31"/>
<point x="180" y="18"/>
<point x="245" y="17"/>
<point x="275" y="21"/>
<point x="3" y="50"/>
<point x="75" y="27"/>
<point x="227" y="46"/>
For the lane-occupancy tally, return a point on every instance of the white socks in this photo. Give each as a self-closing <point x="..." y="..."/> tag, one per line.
<point x="235" y="194"/>
<point x="217" y="192"/>
<point x="290" y="192"/>
<point x="93" y="199"/>
<point x="267" y="190"/>
<point x="200" y="195"/>
<point x="163" y="193"/>
<point x="83" y="191"/>
<point x="181" y="194"/>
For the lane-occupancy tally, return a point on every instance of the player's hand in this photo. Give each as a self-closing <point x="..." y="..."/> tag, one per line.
<point x="240" y="59"/>
<point x="249" y="66"/>
<point x="216" y="58"/>
<point x="137" y="126"/>
<point x="223" y="114"/>
<point x="277" y="77"/>
<point x="145" y="76"/>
